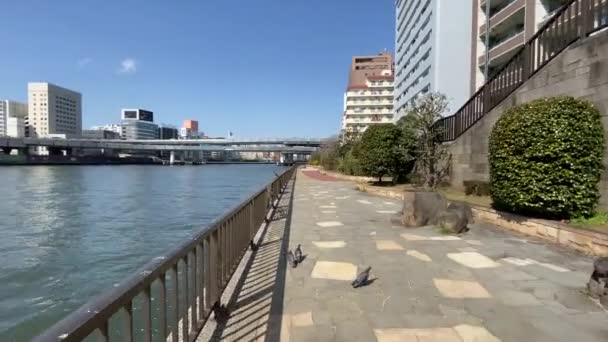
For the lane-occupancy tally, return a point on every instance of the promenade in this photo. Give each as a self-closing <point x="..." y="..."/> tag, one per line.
<point x="485" y="285"/>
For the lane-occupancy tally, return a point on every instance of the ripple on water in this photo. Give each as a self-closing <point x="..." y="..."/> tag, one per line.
<point x="69" y="233"/>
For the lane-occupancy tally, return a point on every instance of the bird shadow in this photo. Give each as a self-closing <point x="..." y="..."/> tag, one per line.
<point x="302" y="259"/>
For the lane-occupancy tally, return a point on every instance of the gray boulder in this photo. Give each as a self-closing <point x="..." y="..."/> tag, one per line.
<point x="598" y="283"/>
<point x="464" y="208"/>
<point x="455" y="219"/>
<point x="597" y="288"/>
<point x="422" y="208"/>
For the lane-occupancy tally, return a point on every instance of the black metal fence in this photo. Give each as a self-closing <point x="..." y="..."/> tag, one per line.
<point x="171" y="297"/>
<point x="575" y="20"/>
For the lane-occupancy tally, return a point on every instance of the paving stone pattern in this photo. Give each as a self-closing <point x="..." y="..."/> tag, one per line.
<point x="484" y="285"/>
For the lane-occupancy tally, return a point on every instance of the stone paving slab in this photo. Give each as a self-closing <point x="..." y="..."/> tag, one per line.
<point x="485" y="285"/>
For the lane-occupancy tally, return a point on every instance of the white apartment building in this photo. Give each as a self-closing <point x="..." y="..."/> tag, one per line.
<point x="12" y="118"/>
<point x="369" y="103"/>
<point x="432" y="51"/>
<point x="53" y="110"/>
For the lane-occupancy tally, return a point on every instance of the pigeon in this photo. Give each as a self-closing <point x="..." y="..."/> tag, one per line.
<point x="254" y="247"/>
<point x="298" y="254"/>
<point x="362" y="278"/>
<point x="291" y="259"/>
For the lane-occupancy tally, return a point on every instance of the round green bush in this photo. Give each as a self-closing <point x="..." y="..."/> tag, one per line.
<point x="546" y="158"/>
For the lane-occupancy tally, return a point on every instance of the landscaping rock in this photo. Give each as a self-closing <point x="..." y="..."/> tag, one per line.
<point x="454" y="220"/>
<point x="598" y="283"/>
<point x="600" y="267"/>
<point x="422" y="208"/>
<point x="596" y="288"/>
<point x="464" y="208"/>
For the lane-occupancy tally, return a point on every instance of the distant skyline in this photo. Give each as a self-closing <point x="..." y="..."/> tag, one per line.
<point x="255" y="68"/>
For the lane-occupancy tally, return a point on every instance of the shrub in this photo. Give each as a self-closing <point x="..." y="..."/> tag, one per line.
<point x="546" y="158"/>
<point x="381" y="152"/>
<point x="350" y="165"/>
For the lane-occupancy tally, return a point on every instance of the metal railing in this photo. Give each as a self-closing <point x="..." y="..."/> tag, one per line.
<point x="575" y="20"/>
<point x="171" y="297"/>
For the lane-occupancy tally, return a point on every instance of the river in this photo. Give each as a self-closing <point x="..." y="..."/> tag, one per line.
<point x="68" y="233"/>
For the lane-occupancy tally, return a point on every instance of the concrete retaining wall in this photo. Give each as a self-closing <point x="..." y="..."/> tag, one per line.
<point x="580" y="71"/>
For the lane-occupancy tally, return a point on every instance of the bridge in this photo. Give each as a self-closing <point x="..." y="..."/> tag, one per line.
<point x="246" y="145"/>
<point x="289" y="149"/>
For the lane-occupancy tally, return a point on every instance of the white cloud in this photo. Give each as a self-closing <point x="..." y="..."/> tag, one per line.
<point x="128" y="66"/>
<point x="84" y="62"/>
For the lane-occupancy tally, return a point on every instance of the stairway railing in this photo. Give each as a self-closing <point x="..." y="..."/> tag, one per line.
<point x="573" y="21"/>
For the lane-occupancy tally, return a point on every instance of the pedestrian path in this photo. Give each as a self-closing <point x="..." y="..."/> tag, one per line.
<point x="486" y="285"/>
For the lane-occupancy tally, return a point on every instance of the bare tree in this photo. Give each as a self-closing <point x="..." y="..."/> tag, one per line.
<point x="433" y="158"/>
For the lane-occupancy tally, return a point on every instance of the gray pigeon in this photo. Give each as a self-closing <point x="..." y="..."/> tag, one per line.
<point x="362" y="278"/>
<point x="291" y="259"/>
<point x="298" y="254"/>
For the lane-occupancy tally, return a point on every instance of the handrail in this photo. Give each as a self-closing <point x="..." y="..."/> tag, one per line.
<point x="573" y="21"/>
<point x="195" y="272"/>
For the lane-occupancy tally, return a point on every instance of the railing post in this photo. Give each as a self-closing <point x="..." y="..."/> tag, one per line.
<point x="585" y="18"/>
<point x="527" y="50"/>
<point x="486" y="98"/>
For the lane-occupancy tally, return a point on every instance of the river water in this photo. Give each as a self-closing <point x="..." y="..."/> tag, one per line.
<point x="68" y="233"/>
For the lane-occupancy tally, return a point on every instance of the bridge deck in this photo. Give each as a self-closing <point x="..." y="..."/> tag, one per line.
<point x="487" y="285"/>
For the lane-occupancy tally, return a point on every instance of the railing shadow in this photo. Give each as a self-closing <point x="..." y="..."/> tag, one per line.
<point x="256" y="304"/>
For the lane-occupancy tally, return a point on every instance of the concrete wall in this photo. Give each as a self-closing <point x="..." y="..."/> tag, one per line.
<point x="580" y="71"/>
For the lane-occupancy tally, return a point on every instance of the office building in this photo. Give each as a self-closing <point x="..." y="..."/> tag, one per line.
<point x="111" y="127"/>
<point x="189" y="130"/>
<point x="166" y="132"/>
<point x="138" y="124"/>
<point x="12" y="118"/>
<point x="53" y="110"/>
<point x="512" y="23"/>
<point x="370" y="102"/>
<point x="99" y="134"/>
<point x="432" y="51"/>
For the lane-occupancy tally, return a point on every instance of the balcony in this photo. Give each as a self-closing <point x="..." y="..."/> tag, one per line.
<point x="369" y="112"/>
<point x="382" y="103"/>
<point x="370" y="121"/>
<point x="503" y="12"/>
<point x="363" y="94"/>
<point x="504" y="47"/>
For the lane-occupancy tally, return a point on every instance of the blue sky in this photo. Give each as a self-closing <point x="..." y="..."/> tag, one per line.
<point x="254" y="67"/>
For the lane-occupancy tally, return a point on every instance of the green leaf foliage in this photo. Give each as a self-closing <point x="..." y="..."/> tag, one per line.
<point x="381" y="152"/>
<point x="546" y="158"/>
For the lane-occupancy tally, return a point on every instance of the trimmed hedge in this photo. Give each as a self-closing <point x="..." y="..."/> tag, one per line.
<point x="546" y="158"/>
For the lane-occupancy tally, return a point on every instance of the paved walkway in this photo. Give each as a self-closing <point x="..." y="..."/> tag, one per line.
<point x="486" y="285"/>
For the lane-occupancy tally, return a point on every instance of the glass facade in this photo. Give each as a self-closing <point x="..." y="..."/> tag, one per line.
<point x="138" y="130"/>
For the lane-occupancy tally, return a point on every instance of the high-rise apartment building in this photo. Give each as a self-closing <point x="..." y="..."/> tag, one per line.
<point x="12" y="118"/>
<point x="138" y="124"/>
<point x="512" y="23"/>
<point x="53" y="110"/>
<point x="432" y="51"/>
<point x="364" y="66"/>
<point x="369" y="103"/>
